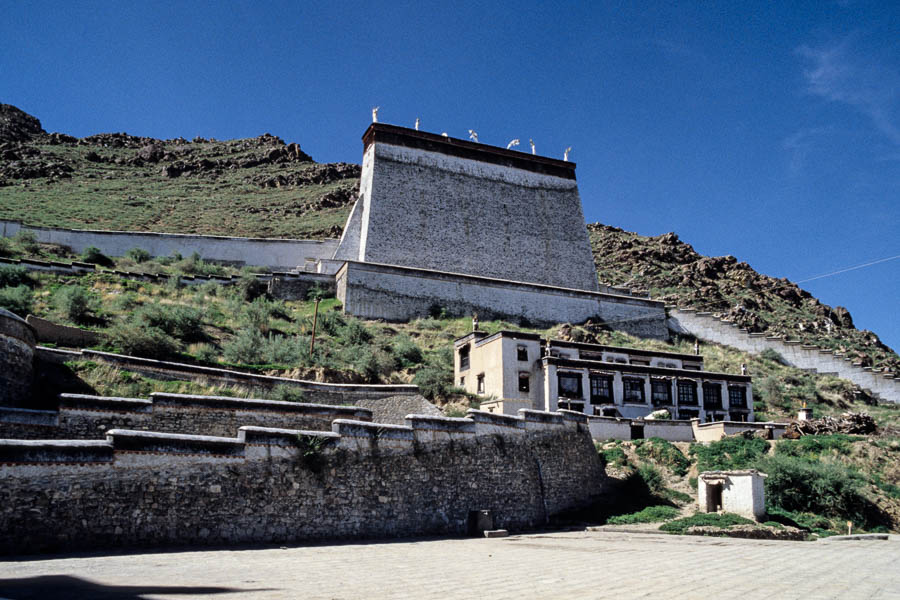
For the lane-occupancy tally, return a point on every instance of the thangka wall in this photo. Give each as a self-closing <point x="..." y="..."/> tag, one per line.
<point x="359" y="480"/>
<point x="433" y="202"/>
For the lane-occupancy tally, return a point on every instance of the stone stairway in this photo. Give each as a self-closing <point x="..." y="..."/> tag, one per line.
<point x="706" y="326"/>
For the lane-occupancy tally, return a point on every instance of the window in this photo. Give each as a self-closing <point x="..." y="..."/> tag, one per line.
<point x="712" y="396"/>
<point x="569" y="385"/>
<point x="462" y="382"/>
<point x="464" y="357"/>
<point x="661" y="392"/>
<point x="601" y="389"/>
<point x="524" y="382"/>
<point x="571" y="405"/>
<point x="522" y="353"/>
<point x="737" y="397"/>
<point x="480" y="387"/>
<point x="687" y="393"/>
<point x="712" y="417"/>
<point x="636" y="361"/>
<point x="685" y="414"/>
<point x="634" y="389"/>
<point x="739" y="417"/>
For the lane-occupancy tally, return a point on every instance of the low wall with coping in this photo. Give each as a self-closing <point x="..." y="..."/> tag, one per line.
<point x="711" y="432"/>
<point x="393" y="293"/>
<point x="271" y="253"/>
<point x="708" y="327"/>
<point x="325" y="393"/>
<point x="90" y="417"/>
<point x="275" y="485"/>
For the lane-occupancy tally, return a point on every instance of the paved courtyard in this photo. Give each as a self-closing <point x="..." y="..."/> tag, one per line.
<point x="591" y="564"/>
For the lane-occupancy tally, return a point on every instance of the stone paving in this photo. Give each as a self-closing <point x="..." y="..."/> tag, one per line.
<point x="584" y="564"/>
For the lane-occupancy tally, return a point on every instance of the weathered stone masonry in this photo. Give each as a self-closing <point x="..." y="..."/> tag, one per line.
<point x="17" y="342"/>
<point x="269" y="485"/>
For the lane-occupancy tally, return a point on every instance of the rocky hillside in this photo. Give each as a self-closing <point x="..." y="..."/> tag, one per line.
<point x="267" y="188"/>
<point x="254" y="187"/>
<point x="674" y="272"/>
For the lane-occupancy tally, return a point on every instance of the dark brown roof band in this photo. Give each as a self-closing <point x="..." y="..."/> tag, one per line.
<point x="421" y="140"/>
<point x="644" y="370"/>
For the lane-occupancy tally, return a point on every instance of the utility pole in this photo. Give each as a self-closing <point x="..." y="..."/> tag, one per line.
<point x="312" y="341"/>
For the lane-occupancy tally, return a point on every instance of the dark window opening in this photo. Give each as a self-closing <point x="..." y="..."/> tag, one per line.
<point x="480" y="387"/>
<point x="524" y="382"/>
<point x="642" y="363"/>
<point x="661" y="392"/>
<point x="685" y="414"/>
<point x="634" y="389"/>
<point x="464" y="357"/>
<point x="637" y="432"/>
<point x="569" y="385"/>
<point x="462" y="382"/>
<point x="687" y="393"/>
<point x="601" y="389"/>
<point x="712" y="396"/>
<point x="522" y="353"/>
<point x="737" y="397"/>
<point x="739" y="417"/>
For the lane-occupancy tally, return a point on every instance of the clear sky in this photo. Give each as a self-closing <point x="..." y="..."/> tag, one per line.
<point x="765" y="130"/>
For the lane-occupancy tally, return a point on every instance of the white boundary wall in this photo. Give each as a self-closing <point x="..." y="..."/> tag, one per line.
<point x="279" y="254"/>
<point x="707" y="327"/>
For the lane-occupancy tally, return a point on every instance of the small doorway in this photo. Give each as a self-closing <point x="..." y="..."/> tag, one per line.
<point x="637" y="432"/>
<point x="713" y="497"/>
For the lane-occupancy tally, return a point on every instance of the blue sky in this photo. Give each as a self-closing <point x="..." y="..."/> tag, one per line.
<point x="769" y="131"/>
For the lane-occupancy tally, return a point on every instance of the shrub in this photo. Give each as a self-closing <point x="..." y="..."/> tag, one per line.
<point x="18" y="300"/>
<point x="6" y="248"/>
<point x="771" y="391"/>
<point x="614" y="456"/>
<point x="822" y="488"/>
<point x="14" y="275"/>
<point x="773" y="355"/>
<point x="92" y="255"/>
<point x="729" y="453"/>
<point x="27" y="241"/>
<point x="653" y="479"/>
<point x="651" y="514"/>
<point x="250" y="347"/>
<point x="75" y="303"/>
<point x="181" y="322"/>
<point x="407" y="352"/>
<point x="353" y="333"/>
<point x="663" y="453"/>
<point x="138" y="255"/>
<point x="435" y="379"/>
<point x="372" y="363"/>
<point x="249" y="288"/>
<point x="206" y="354"/>
<point x="287" y="393"/>
<point x="138" y="340"/>
<point x="317" y="292"/>
<point x="722" y="521"/>
<point x="812" y="447"/>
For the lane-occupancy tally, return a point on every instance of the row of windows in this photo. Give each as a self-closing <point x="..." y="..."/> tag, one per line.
<point x="570" y="386"/>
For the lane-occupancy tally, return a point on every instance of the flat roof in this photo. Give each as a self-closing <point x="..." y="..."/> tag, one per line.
<point x="600" y="365"/>
<point x="635" y="351"/>
<point x="431" y="142"/>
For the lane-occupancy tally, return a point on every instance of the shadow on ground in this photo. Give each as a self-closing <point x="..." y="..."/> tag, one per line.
<point x="67" y="587"/>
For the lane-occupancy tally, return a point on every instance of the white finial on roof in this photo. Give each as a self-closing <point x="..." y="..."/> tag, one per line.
<point x="417" y="123"/>
<point x="375" y="114"/>
<point x="566" y="154"/>
<point x="532" y="146"/>
<point x="512" y="143"/>
<point x="473" y="136"/>
<point x="445" y="134"/>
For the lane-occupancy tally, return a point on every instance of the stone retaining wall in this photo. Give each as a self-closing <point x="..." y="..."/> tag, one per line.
<point x="17" y="345"/>
<point x="393" y="293"/>
<point x="90" y="417"/>
<point x="360" y="480"/>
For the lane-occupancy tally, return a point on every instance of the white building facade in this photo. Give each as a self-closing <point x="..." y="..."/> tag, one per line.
<point x="514" y="370"/>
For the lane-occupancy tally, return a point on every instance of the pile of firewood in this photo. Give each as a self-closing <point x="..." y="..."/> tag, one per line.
<point x="850" y="423"/>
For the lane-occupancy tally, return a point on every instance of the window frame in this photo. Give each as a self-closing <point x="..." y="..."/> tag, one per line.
<point x="635" y="395"/>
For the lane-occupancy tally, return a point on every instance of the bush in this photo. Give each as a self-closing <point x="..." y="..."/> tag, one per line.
<point x="6" y="248"/>
<point x="372" y="363"/>
<point x="14" y="275"/>
<point x="260" y="312"/>
<point x="773" y="355"/>
<point x="18" y="300"/>
<point x="614" y="456"/>
<point x="653" y="479"/>
<point x="435" y="379"/>
<point x="287" y="393"/>
<point x="138" y="255"/>
<point x="407" y="352"/>
<point x="771" y="392"/>
<point x="249" y="288"/>
<point x="317" y="292"/>
<point x="75" y="303"/>
<point x="205" y="354"/>
<point x="729" y="453"/>
<point x="651" y="514"/>
<point x="822" y="488"/>
<point x="250" y="347"/>
<point x="722" y="521"/>
<point x="92" y="255"/>
<point x="138" y="340"/>
<point x="27" y="241"/>
<point x="663" y="453"/>
<point x="812" y="447"/>
<point x="181" y="322"/>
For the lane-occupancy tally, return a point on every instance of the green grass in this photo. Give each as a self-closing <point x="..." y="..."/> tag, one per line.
<point x="651" y="514"/>
<point x="663" y="453"/>
<point x="720" y="521"/>
<point x="729" y="454"/>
